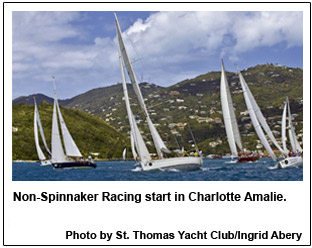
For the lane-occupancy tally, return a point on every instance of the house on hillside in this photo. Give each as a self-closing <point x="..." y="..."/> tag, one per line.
<point x="181" y="125"/>
<point x="171" y="125"/>
<point x="217" y="120"/>
<point x="174" y="93"/>
<point x="182" y="107"/>
<point x="204" y="119"/>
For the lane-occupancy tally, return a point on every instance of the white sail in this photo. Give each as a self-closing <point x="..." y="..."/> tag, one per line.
<point x="41" y="131"/>
<point x="138" y="141"/>
<point x="229" y="117"/>
<point x="124" y="154"/>
<point x="292" y="134"/>
<point x="260" y="116"/>
<point x="56" y="145"/>
<point x="141" y="148"/>
<point x="284" y="127"/>
<point x="254" y="117"/>
<point x="159" y="144"/>
<point x="70" y="145"/>
<point x="134" y="154"/>
<point x="298" y="147"/>
<point x="39" y="151"/>
<point x="291" y="139"/>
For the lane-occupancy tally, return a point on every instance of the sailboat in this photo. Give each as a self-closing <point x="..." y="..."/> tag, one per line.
<point x="260" y="124"/>
<point x="124" y="154"/>
<point x="37" y="123"/>
<point x="293" y="158"/>
<point x="141" y="153"/>
<point x="72" y="157"/>
<point x="230" y="123"/>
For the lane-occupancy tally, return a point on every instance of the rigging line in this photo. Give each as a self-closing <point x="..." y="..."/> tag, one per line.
<point x="176" y="139"/>
<point x="138" y="55"/>
<point x="193" y="138"/>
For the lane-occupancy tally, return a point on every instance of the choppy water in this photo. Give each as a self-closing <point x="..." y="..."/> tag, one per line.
<point x="212" y="170"/>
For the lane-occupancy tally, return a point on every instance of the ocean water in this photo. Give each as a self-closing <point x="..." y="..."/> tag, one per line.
<point x="212" y="170"/>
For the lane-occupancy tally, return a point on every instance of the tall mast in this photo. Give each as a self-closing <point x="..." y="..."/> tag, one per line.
<point x="135" y="135"/>
<point x="159" y="143"/>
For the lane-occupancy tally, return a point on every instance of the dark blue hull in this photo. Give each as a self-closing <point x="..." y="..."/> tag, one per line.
<point x="74" y="165"/>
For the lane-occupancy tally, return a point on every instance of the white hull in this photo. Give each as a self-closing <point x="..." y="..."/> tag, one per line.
<point x="289" y="162"/>
<point x="45" y="162"/>
<point x="180" y="163"/>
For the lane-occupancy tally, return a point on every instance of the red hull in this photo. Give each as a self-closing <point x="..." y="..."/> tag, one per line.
<point x="251" y="158"/>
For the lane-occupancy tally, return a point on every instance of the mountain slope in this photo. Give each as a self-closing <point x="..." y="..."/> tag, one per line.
<point x="90" y="133"/>
<point x="196" y="103"/>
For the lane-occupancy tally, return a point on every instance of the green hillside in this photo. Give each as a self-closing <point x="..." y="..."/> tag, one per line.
<point x="194" y="104"/>
<point x="90" y="133"/>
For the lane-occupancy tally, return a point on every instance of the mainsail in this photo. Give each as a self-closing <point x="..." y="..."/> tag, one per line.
<point x="292" y="134"/>
<point x="56" y="144"/>
<point x="259" y="115"/>
<point x="134" y="154"/>
<point x="70" y="145"/>
<point x="254" y="116"/>
<point x="159" y="144"/>
<point x="284" y="116"/>
<point x="134" y="130"/>
<point x="39" y="151"/>
<point x="230" y="122"/>
<point x="41" y="130"/>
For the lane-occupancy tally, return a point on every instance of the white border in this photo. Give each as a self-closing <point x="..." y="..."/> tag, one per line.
<point x="40" y="223"/>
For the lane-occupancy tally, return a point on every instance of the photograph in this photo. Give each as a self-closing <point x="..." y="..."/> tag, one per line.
<point x="175" y="93"/>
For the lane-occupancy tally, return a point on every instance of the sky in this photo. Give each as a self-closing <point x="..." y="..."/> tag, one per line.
<point x="80" y="48"/>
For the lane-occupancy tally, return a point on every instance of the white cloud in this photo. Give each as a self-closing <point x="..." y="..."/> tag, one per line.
<point x="267" y="29"/>
<point x="172" y="44"/>
<point x="43" y="26"/>
<point x="172" y="32"/>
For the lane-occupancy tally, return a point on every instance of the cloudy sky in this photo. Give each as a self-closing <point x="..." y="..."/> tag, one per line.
<point x="80" y="48"/>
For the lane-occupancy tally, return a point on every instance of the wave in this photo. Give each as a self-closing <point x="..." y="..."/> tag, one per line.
<point x="220" y="168"/>
<point x="136" y="169"/>
<point x="273" y="167"/>
<point x="231" y="162"/>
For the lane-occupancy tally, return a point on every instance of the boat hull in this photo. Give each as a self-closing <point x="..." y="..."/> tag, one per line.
<point x="180" y="163"/>
<point x="45" y="162"/>
<point x="247" y="159"/>
<point x="74" y="165"/>
<point x="290" y="162"/>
